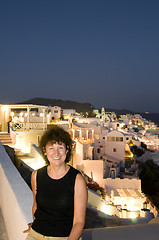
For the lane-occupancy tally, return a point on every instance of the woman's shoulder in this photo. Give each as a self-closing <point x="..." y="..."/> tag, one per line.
<point x="42" y="169"/>
<point x="38" y="171"/>
<point x="74" y="170"/>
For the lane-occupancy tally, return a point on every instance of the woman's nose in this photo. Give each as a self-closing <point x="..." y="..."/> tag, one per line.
<point x="56" y="151"/>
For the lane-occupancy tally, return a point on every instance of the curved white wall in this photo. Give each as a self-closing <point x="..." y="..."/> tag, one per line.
<point x="15" y="198"/>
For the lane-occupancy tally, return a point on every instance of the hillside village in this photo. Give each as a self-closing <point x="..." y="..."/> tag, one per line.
<point x="108" y="149"/>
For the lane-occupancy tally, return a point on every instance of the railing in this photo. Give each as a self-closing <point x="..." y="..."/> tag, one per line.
<point x="28" y="126"/>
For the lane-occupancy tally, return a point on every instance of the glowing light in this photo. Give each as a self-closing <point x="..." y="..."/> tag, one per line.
<point x="5" y="108"/>
<point x="132" y="215"/>
<point x="34" y="164"/>
<point x="106" y="209"/>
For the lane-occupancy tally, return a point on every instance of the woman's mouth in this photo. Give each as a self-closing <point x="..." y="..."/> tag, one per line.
<point x="56" y="158"/>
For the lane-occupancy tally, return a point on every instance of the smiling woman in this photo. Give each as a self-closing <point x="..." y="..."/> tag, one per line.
<point x="56" y="135"/>
<point x="59" y="191"/>
<point x="56" y="155"/>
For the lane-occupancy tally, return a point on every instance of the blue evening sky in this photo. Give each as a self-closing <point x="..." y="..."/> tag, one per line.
<point x="102" y="52"/>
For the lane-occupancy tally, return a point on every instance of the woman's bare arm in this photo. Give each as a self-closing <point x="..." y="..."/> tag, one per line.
<point x="34" y="207"/>
<point x="80" y="203"/>
<point x="33" y="185"/>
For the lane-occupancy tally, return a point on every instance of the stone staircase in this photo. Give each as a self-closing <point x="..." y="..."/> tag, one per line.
<point x="5" y="138"/>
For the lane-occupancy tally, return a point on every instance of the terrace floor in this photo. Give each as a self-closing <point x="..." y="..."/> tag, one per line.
<point x="3" y="232"/>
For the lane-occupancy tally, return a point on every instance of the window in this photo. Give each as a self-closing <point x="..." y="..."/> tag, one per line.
<point x="98" y="150"/>
<point x="119" y="139"/>
<point x="55" y="111"/>
<point x="38" y="138"/>
<point x="110" y="139"/>
<point x="114" y="149"/>
<point x="103" y="137"/>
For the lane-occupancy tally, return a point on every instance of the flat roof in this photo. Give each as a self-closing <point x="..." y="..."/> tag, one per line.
<point x="16" y="106"/>
<point x="125" y="192"/>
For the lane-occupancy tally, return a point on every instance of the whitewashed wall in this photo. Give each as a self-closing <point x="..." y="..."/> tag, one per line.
<point x="15" y="198"/>
<point x="96" y="167"/>
<point x="122" y="183"/>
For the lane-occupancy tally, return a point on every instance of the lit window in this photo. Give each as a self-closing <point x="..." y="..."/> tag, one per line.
<point x="110" y="139"/>
<point x="38" y="138"/>
<point x="119" y="139"/>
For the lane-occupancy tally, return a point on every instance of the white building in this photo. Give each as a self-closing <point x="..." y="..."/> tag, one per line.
<point x="66" y="113"/>
<point x="126" y="194"/>
<point x="112" y="146"/>
<point x="56" y="112"/>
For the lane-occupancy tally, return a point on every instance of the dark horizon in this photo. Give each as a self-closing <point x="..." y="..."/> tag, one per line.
<point x="82" y="102"/>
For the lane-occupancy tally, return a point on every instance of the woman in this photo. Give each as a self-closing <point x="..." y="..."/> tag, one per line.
<point x="59" y="192"/>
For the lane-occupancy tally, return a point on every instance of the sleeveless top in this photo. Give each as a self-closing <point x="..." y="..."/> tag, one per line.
<point x="55" y="203"/>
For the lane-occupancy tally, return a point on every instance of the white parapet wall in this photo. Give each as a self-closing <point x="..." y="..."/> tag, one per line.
<point x="139" y="232"/>
<point x="15" y="198"/>
<point x="122" y="183"/>
<point x="95" y="201"/>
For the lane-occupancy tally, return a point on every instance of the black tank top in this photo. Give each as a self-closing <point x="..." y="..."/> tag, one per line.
<point x="55" y="203"/>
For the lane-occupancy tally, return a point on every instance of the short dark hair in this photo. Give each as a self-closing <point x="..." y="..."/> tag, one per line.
<point x="56" y="135"/>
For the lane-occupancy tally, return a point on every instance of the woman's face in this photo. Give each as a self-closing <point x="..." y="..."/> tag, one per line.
<point x="56" y="153"/>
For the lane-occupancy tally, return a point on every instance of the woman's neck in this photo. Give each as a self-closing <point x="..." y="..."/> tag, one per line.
<point x="57" y="172"/>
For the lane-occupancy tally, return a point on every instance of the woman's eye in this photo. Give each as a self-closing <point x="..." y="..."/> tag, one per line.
<point x="61" y="148"/>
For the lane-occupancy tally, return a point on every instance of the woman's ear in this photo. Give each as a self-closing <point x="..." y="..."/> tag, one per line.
<point x="44" y="151"/>
<point x="67" y="149"/>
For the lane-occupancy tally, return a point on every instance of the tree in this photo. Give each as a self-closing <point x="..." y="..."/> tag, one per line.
<point x="91" y="115"/>
<point x="143" y="145"/>
<point x="149" y="176"/>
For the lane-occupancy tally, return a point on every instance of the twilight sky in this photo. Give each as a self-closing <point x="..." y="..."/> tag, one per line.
<point x="105" y="52"/>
